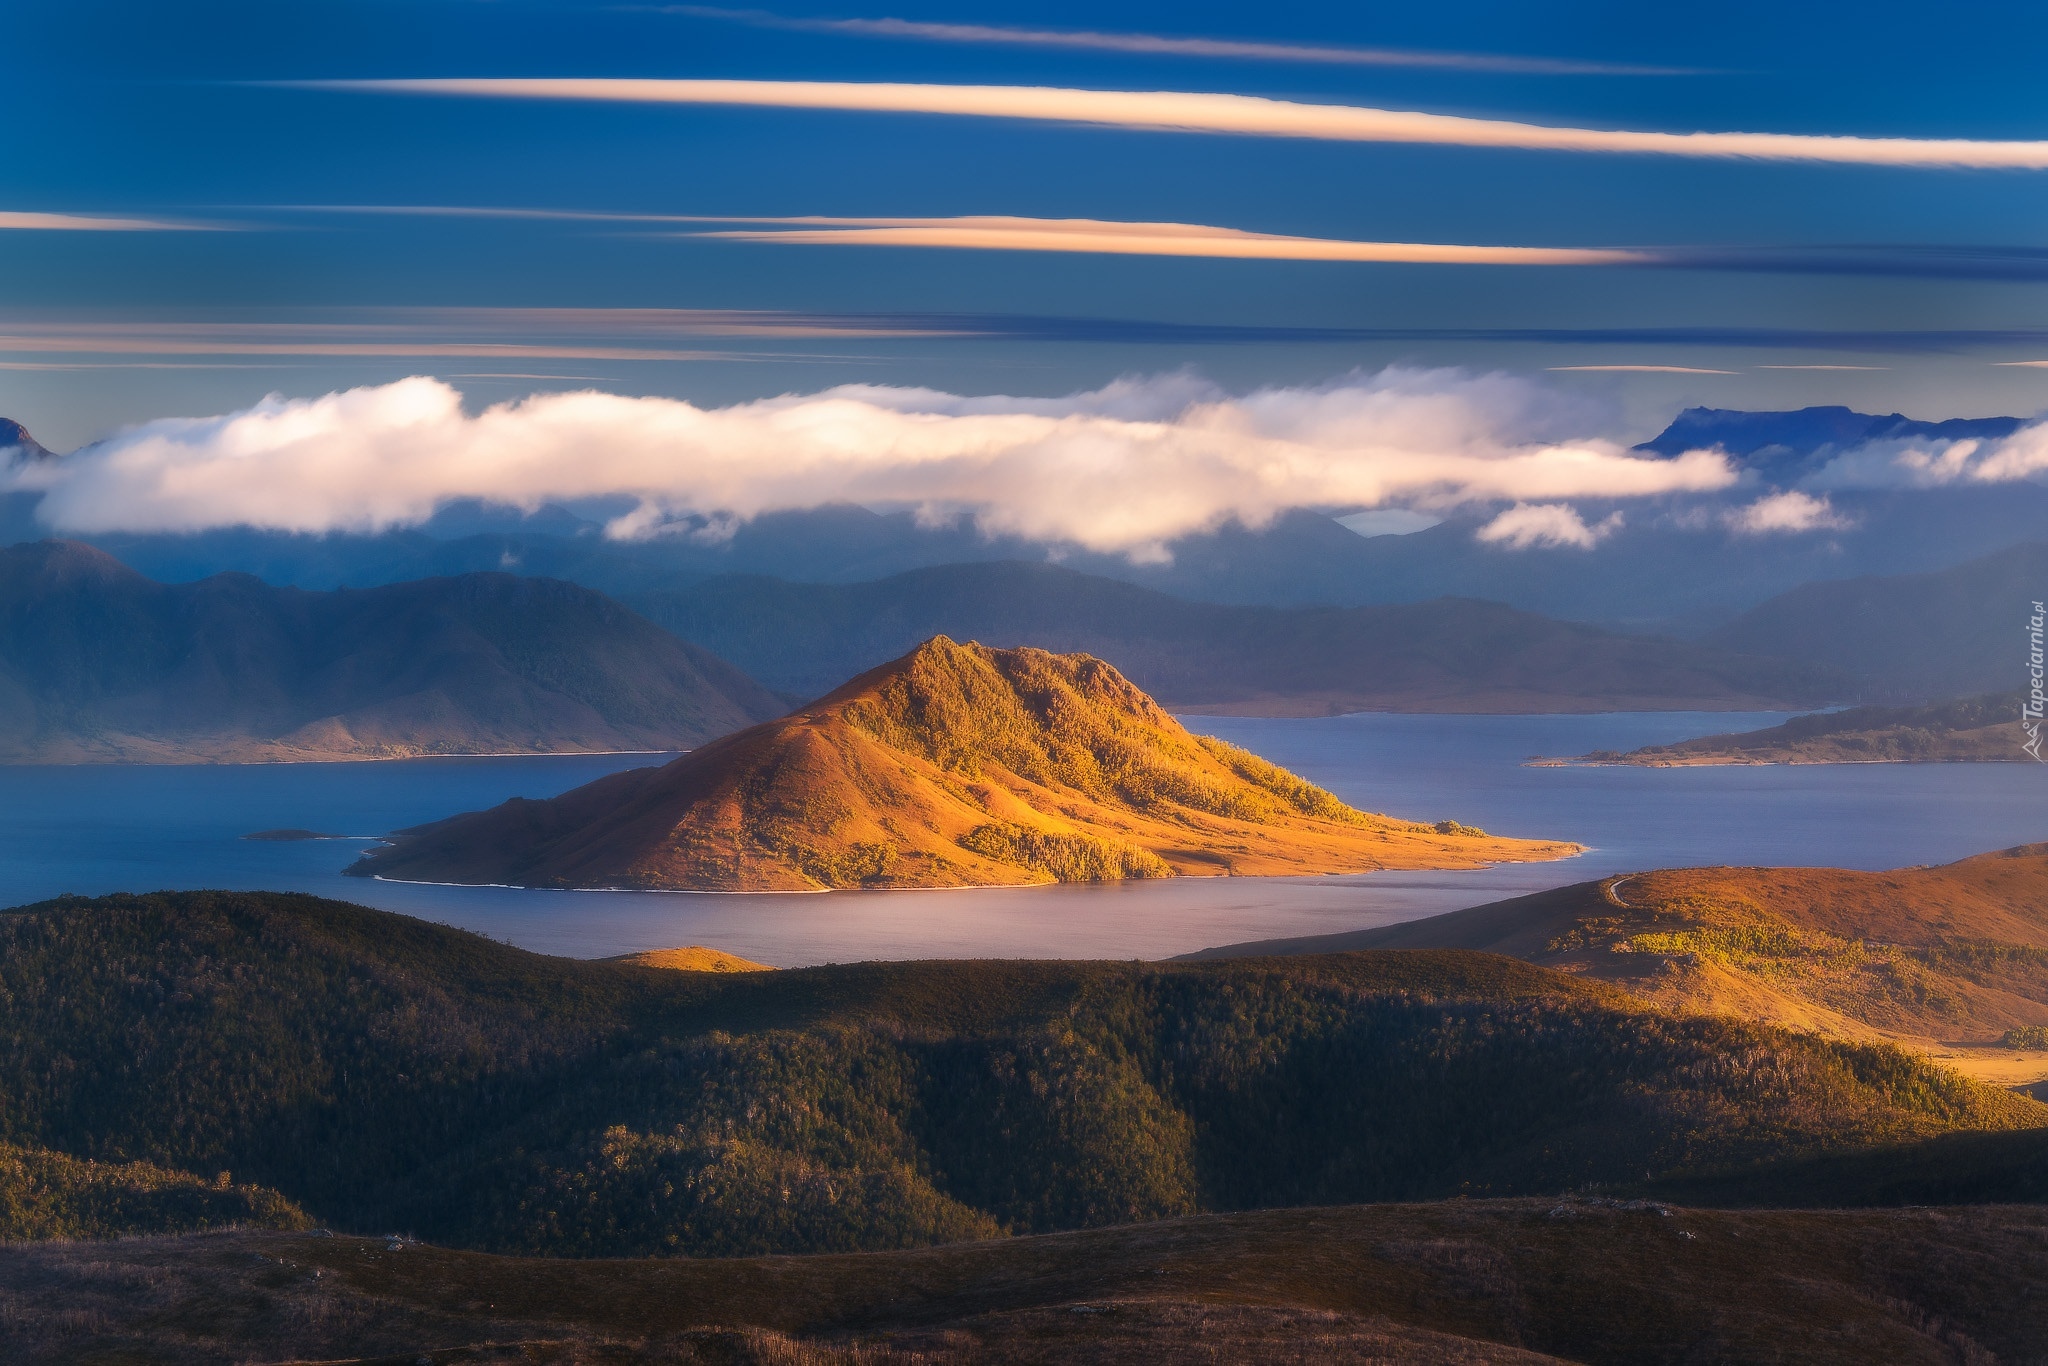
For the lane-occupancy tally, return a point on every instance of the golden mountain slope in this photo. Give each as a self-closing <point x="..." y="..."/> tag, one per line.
<point x="955" y="766"/>
<point x="1946" y="960"/>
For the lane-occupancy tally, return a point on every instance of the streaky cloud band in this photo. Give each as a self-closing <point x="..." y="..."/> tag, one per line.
<point x="1163" y="45"/>
<point x="651" y="334"/>
<point x="21" y="221"/>
<point x="1006" y="232"/>
<point x="1002" y="233"/>
<point x="1242" y="115"/>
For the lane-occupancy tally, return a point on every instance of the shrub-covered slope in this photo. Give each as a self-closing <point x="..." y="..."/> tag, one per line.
<point x="957" y="765"/>
<point x="386" y="1073"/>
<point x="1951" y="960"/>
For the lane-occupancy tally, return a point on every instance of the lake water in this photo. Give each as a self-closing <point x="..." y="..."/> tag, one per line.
<point x="96" y="829"/>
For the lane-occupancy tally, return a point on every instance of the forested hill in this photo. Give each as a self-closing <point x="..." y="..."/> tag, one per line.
<point x="99" y="663"/>
<point x="384" y="1073"/>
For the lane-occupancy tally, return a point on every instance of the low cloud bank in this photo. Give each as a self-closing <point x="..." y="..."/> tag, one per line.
<point x="1919" y="463"/>
<point x="1123" y="469"/>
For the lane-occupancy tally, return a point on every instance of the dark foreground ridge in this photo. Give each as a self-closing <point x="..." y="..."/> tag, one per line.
<point x="1459" y="1283"/>
<point x="377" y="1072"/>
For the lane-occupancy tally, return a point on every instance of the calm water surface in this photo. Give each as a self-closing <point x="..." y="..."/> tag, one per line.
<point x="103" y="828"/>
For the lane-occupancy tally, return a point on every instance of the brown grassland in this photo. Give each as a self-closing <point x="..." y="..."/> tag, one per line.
<point x="955" y="766"/>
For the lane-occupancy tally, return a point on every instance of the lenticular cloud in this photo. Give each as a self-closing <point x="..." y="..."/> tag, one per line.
<point x="1123" y="469"/>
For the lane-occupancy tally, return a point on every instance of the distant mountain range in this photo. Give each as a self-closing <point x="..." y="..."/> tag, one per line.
<point x="955" y="766"/>
<point x="1950" y="633"/>
<point x="1676" y="568"/>
<point x="99" y="663"/>
<point x="1784" y="447"/>
<point x="1446" y="655"/>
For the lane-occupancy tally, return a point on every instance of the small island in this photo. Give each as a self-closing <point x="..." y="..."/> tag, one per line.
<point x="954" y="766"/>
<point x="1971" y="730"/>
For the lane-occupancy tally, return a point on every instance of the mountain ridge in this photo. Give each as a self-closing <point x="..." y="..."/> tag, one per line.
<point x="1448" y="654"/>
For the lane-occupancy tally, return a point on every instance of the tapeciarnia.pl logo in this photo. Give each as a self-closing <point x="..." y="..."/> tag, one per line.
<point x="2030" y="709"/>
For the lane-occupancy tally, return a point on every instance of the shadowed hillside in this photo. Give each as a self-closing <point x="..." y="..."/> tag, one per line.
<point x="1951" y="961"/>
<point x="955" y="766"/>
<point x="98" y="663"/>
<point x="1970" y="730"/>
<point x="383" y="1073"/>
<point x="1450" y="654"/>
<point x="1462" y="1283"/>
<point x="1950" y="633"/>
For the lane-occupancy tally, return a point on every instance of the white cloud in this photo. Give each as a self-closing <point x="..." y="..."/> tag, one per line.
<point x="1787" y="513"/>
<point x="1126" y="468"/>
<point x="1244" y="115"/>
<point x="1528" y="526"/>
<point x="1919" y="463"/>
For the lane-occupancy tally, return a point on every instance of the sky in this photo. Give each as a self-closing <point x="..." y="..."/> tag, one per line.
<point x="208" y="203"/>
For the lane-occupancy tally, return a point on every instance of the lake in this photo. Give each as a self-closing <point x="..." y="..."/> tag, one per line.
<point x="95" y="829"/>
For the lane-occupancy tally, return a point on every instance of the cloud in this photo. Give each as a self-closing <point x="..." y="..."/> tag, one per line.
<point x="1921" y="463"/>
<point x="1527" y="526"/>
<point x="1159" y="45"/>
<point x="15" y="221"/>
<point x="1243" y="115"/>
<point x="1004" y="233"/>
<point x="1126" y="468"/>
<point x="1787" y="513"/>
<point x="1642" y="369"/>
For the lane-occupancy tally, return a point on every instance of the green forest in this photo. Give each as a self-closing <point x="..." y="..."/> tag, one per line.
<point x="280" y="1058"/>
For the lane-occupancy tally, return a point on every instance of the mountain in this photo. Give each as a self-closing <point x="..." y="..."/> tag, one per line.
<point x="1445" y="655"/>
<point x="15" y="440"/>
<point x="954" y="766"/>
<point x="1973" y="730"/>
<point x="385" y="1073"/>
<point x="1599" y="1280"/>
<point x="1784" y="447"/>
<point x="1951" y="961"/>
<point x="98" y="663"/>
<point x="1954" y="632"/>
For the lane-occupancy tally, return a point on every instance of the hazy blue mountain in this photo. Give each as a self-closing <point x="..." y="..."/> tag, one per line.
<point x="1957" y="631"/>
<point x="1445" y="654"/>
<point x="98" y="662"/>
<point x="1785" y="446"/>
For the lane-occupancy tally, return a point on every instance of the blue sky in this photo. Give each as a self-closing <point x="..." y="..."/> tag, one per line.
<point x="185" y="115"/>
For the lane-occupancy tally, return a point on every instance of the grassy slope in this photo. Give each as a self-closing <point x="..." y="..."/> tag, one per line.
<point x="1454" y="654"/>
<point x="1460" y="1282"/>
<point x="382" y="1072"/>
<point x="954" y="766"/>
<point x="1943" y="960"/>
<point x="1969" y="730"/>
<point x="98" y="664"/>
